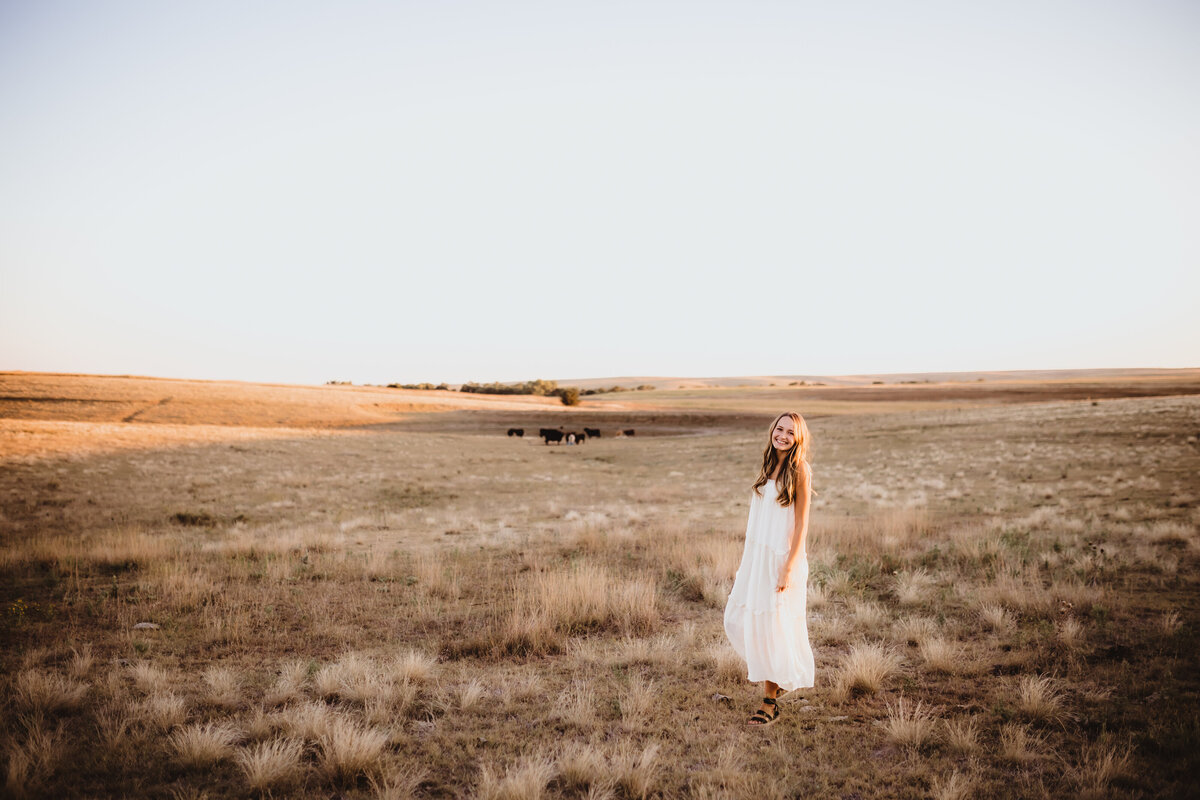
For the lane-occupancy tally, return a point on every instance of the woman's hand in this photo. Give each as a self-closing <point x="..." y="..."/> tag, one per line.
<point x="785" y="580"/>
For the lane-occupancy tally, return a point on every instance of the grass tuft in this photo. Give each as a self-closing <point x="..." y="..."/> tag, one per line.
<point x="1098" y="766"/>
<point x="864" y="670"/>
<point x="635" y="701"/>
<point x="956" y="786"/>
<point x="411" y="666"/>
<point x="1019" y="744"/>
<point x="915" y="630"/>
<point x="868" y="616"/>
<point x="941" y="656"/>
<point x="589" y="598"/>
<point x="470" y="694"/>
<point x="397" y="782"/>
<point x="201" y="745"/>
<point x="149" y="678"/>
<point x="31" y="758"/>
<point x="46" y="693"/>
<point x="726" y="663"/>
<point x="224" y="687"/>
<point x="909" y="726"/>
<point x="272" y="764"/>
<point x="308" y="722"/>
<point x="525" y="780"/>
<point x="583" y="768"/>
<point x="347" y="749"/>
<point x="1039" y="699"/>
<point x="962" y="735"/>
<point x="1071" y="633"/>
<point x="162" y="711"/>
<point x="289" y="684"/>
<point x="635" y="769"/>
<point x="82" y="660"/>
<point x="996" y="618"/>
<point x="912" y="588"/>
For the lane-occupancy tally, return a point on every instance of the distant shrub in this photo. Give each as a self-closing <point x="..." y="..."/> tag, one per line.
<point x="537" y="387"/>
<point x="601" y="390"/>
<point x="569" y="396"/>
<point x="200" y="519"/>
<point x="339" y="383"/>
<point x="421" y="386"/>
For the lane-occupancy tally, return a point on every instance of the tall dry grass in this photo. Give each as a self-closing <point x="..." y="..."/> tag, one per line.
<point x="203" y="744"/>
<point x="406" y="614"/>
<point x="589" y="597"/>
<point x="272" y="765"/>
<point x="864" y="670"/>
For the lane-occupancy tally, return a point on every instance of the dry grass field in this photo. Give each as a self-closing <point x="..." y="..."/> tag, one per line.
<point x="294" y="592"/>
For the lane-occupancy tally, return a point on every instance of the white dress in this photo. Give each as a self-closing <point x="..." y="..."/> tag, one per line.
<point x="768" y="628"/>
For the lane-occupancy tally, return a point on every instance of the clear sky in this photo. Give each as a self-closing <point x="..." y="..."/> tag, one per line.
<point x="412" y="191"/>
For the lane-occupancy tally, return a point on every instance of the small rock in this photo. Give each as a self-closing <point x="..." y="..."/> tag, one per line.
<point x="837" y="719"/>
<point x="145" y="626"/>
<point x="718" y="697"/>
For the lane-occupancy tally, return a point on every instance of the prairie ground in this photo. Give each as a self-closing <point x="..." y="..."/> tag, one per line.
<point x="1002" y="602"/>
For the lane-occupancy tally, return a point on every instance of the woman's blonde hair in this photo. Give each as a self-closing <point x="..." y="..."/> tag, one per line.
<point x="796" y="455"/>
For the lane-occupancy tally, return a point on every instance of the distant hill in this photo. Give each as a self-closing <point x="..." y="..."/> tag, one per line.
<point x="659" y="382"/>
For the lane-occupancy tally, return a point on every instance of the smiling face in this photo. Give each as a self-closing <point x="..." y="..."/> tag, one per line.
<point x="783" y="435"/>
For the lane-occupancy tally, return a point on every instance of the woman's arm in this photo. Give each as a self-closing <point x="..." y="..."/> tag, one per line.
<point x="800" y="531"/>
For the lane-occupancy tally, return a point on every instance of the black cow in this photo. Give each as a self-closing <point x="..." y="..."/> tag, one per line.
<point x="580" y="438"/>
<point x="551" y="435"/>
<point x="592" y="432"/>
<point x="516" y="431"/>
<point x="629" y="432"/>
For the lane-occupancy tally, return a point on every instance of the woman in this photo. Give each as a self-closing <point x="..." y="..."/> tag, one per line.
<point x="765" y="615"/>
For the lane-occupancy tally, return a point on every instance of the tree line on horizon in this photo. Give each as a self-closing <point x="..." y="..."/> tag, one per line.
<point x="568" y="394"/>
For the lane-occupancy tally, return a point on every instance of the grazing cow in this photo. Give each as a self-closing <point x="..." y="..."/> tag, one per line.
<point x="516" y="431"/>
<point x="581" y="438"/>
<point x="592" y="432"/>
<point x="551" y="435"/>
<point x="629" y="432"/>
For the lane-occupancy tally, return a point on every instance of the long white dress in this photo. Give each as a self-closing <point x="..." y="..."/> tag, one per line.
<point x="768" y="628"/>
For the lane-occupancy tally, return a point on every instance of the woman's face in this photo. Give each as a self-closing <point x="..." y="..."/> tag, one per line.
<point x="784" y="434"/>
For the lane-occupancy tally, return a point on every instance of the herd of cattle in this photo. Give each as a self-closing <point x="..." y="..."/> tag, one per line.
<point x="558" y="435"/>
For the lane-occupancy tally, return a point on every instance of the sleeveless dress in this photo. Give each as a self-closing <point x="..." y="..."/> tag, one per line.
<point x="767" y="628"/>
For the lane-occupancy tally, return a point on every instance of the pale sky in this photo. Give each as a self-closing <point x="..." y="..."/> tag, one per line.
<point x="428" y="191"/>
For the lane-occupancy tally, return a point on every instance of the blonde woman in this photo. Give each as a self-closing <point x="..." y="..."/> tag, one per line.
<point x="765" y="615"/>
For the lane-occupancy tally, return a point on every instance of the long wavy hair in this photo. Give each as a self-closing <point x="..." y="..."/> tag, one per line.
<point x="789" y="471"/>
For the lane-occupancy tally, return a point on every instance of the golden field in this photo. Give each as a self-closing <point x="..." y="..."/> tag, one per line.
<point x="364" y="592"/>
